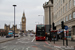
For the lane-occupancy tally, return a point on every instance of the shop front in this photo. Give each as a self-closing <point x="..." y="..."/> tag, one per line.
<point x="73" y="33"/>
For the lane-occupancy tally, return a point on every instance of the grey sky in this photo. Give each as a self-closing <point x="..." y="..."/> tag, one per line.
<point x="32" y="9"/>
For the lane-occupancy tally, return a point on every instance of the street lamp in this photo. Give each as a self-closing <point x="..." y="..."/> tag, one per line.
<point x="43" y="18"/>
<point x="14" y="20"/>
<point x="50" y="22"/>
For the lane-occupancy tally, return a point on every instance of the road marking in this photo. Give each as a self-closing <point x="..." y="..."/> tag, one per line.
<point x="16" y="42"/>
<point x="33" y="39"/>
<point x="28" y="39"/>
<point x="18" y="39"/>
<point x="57" y="46"/>
<point x="14" y="49"/>
<point x="22" y="48"/>
<point x="47" y="46"/>
<point x="35" y="46"/>
<point x="37" y="43"/>
<point x="4" y="46"/>
<point x="23" y="42"/>
<point x="27" y="48"/>
<point x="46" y="42"/>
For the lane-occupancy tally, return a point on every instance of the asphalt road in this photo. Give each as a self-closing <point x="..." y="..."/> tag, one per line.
<point x="26" y="43"/>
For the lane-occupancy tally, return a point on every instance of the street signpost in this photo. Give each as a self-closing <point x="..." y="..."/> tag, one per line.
<point x="62" y="25"/>
<point x="66" y="28"/>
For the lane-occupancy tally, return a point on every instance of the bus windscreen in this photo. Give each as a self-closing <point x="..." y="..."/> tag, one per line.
<point x="40" y="34"/>
<point x="40" y="31"/>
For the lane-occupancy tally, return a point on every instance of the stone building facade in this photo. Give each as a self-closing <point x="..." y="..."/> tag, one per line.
<point x="7" y="28"/>
<point x="48" y="11"/>
<point x="64" y="10"/>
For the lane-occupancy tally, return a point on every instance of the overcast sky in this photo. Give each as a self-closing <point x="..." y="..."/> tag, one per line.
<point x="32" y="9"/>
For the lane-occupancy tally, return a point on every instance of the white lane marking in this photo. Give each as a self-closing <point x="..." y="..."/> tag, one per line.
<point x="25" y="39"/>
<point x="33" y="39"/>
<point x="22" y="48"/>
<point x="18" y="39"/>
<point x="27" y="48"/>
<point x="22" y="42"/>
<point x="57" y="46"/>
<point x="5" y="47"/>
<point x="14" y="49"/>
<point x="28" y="39"/>
<point x="16" y="42"/>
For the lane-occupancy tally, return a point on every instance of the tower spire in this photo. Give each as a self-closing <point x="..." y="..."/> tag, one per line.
<point x="23" y="14"/>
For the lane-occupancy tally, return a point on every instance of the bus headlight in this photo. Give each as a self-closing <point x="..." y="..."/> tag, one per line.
<point x="44" y="37"/>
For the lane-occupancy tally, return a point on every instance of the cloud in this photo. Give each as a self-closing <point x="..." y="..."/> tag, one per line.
<point x="32" y="9"/>
<point x="1" y="1"/>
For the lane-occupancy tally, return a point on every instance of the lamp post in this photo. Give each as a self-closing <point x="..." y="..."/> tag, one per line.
<point x="14" y="20"/>
<point x="43" y="18"/>
<point x="50" y="22"/>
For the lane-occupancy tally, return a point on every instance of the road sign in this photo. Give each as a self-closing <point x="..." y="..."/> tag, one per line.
<point x="66" y="27"/>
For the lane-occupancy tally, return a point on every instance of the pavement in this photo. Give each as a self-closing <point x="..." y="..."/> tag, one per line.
<point x="4" y="39"/>
<point x="59" y="45"/>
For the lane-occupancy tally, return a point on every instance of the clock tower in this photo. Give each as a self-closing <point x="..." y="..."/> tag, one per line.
<point x="23" y="23"/>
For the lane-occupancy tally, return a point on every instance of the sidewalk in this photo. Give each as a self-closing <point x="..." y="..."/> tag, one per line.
<point x="4" y="39"/>
<point x="59" y="44"/>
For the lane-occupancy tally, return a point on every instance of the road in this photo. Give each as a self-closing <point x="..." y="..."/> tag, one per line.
<point x="25" y="43"/>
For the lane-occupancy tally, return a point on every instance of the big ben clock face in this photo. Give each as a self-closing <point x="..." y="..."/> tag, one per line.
<point x="23" y="19"/>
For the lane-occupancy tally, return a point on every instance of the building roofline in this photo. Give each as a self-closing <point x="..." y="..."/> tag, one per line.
<point x="51" y="1"/>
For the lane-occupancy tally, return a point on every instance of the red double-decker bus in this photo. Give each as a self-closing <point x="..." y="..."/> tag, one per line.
<point x="40" y="32"/>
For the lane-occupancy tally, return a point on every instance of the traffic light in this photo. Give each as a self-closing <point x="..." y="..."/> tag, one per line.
<point x="62" y="24"/>
<point x="54" y="36"/>
<point x="54" y="27"/>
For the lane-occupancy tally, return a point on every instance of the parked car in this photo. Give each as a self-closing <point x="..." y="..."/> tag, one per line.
<point x="31" y="35"/>
<point x="9" y="36"/>
<point x="16" y="35"/>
